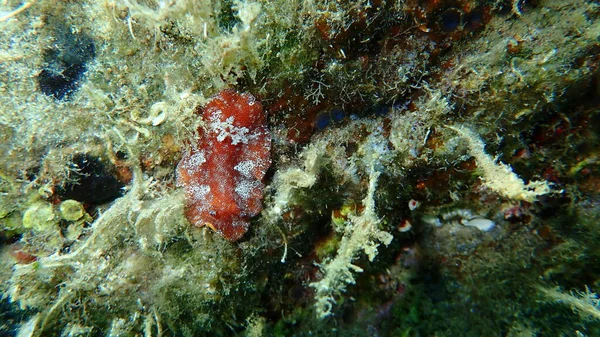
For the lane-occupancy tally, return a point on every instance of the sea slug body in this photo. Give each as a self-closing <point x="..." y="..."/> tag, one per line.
<point x="222" y="173"/>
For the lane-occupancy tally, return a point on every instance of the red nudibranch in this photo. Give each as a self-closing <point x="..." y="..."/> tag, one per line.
<point x="222" y="174"/>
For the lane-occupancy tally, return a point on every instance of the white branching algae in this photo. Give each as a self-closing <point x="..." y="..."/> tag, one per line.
<point x="361" y="233"/>
<point x="126" y="247"/>
<point x="498" y="176"/>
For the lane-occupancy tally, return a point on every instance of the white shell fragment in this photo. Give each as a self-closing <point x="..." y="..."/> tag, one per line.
<point x="404" y="226"/>
<point x="156" y="115"/>
<point x="413" y="204"/>
<point x="480" y="223"/>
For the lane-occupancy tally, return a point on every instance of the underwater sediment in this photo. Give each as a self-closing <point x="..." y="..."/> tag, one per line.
<point x="421" y="168"/>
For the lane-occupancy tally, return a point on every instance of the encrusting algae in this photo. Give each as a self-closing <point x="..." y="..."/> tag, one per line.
<point x="296" y="168"/>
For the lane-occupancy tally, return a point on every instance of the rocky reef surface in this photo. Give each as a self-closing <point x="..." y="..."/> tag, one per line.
<point x="418" y="168"/>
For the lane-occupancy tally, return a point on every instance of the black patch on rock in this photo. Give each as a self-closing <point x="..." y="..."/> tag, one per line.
<point x="91" y="181"/>
<point x="65" y="63"/>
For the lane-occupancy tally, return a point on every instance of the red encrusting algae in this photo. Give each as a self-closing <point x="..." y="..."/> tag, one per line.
<point x="222" y="174"/>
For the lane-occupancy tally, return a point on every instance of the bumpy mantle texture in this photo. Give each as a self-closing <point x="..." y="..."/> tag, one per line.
<point x="222" y="174"/>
